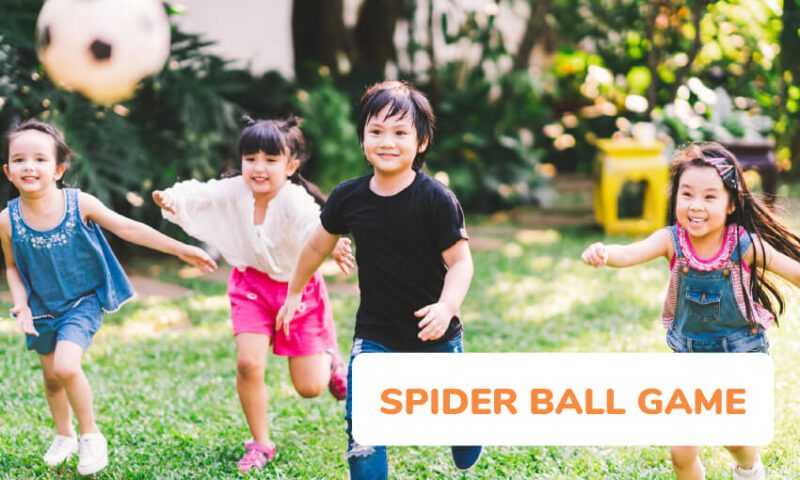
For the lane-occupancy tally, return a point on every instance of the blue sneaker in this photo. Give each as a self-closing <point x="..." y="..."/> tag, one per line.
<point x="465" y="457"/>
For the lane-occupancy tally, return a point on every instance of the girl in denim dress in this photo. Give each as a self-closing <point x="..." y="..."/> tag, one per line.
<point x="721" y="244"/>
<point x="63" y="275"/>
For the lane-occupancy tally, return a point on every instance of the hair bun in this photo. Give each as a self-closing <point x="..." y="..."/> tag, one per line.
<point x="248" y="121"/>
<point x="293" y="122"/>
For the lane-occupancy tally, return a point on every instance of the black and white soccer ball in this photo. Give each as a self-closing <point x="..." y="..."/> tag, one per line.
<point x="102" y="48"/>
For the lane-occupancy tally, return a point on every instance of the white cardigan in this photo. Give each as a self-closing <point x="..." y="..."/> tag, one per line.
<point x="220" y="213"/>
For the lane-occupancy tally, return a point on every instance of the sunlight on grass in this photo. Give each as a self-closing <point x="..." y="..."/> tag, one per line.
<point x="544" y="237"/>
<point x="163" y="373"/>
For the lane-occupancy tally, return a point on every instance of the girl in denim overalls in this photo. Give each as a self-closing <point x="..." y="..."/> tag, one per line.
<point x="721" y="244"/>
<point x="63" y="275"/>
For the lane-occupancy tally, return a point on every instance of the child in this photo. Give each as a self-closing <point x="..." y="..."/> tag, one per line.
<point x="719" y="298"/>
<point x="414" y="262"/>
<point x="62" y="275"/>
<point x="258" y="221"/>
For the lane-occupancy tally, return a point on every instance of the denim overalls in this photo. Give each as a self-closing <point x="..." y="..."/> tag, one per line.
<point x="705" y="309"/>
<point x="65" y="270"/>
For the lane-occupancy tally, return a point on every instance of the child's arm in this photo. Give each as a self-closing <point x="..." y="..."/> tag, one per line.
<point x="141" y="234"/>
<point x="318" y="246"/>
<point x="659" y="244"/>
<point x="20" y="309"/>
<point x="437" y="316"/>
<point x="775" y="261"/>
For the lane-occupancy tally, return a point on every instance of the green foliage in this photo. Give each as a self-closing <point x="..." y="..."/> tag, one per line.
<point x="485" y="140"/>
<point x="328" y="124"/>
<point x="485" y="122"/>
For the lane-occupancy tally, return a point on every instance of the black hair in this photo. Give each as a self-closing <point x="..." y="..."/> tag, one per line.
<point x="278" y="137"/>
<point x="402" y="99"/>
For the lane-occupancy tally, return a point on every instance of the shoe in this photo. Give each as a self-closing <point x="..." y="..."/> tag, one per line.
<point x="338" y="382"/>
<point x="756" y="472"/>
<point x="465" y="457"/>
<point x="257" y="455"/>
<point x="60" y="450"/>
<point x="93" y="453"/>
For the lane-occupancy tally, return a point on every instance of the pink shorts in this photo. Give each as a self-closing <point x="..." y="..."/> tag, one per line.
<point x="256" y="299"/>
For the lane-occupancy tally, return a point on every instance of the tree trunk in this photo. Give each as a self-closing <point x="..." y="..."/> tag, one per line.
<point x="790" y="63"/>
<point x="374" y="34"/>
<point x="318" y="35"/>
<point x="536" y="30"/>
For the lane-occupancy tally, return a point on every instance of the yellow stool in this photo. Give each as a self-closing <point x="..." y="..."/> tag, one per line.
<point x="626" y="166"/>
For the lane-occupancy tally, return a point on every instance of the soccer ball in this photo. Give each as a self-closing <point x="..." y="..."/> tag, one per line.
<point x="102" y="48"/>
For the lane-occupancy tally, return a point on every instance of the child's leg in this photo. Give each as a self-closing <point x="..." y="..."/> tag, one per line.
<point x="686" y="463"/>
<point x="68" y="371"/>
<point x="251" y="362"/>
<point x="367" y="462"/>
<point x="310" y="374"/>
<point x="56" y="397"/>
<point x="745" y="457"/>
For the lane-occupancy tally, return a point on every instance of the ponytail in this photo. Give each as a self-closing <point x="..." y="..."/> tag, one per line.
<point x="312" y="189"/>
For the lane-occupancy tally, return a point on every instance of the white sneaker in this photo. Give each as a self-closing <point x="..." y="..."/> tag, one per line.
<point x="60" y="450"/>
<point x="93" y="453"/>
<point x="757" y="472"/>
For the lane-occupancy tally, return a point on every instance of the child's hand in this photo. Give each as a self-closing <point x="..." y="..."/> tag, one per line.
<point x="24" y="323"/>
<point x="286" y="313"/>
<point x="343" y="255"/>
<point x="595" y="255"/>
<point x="436" y="319"/>
<point x="165" y="201"/>
<point x="197" y="257"/>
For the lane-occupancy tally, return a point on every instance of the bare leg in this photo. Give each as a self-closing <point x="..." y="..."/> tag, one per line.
<point x="67" y="367"/>
<point x="251" y="362"/>
<point x="310" y="374"/>
<point x="686" y="463"/>
<point x="745" y="456"/>
<point x="56" y="397"/>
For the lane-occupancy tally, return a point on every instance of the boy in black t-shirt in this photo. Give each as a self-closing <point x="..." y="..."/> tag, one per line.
<point x="414" y="262"/>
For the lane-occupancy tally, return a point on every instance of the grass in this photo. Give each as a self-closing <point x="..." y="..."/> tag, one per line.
<point x="163" y="376"/>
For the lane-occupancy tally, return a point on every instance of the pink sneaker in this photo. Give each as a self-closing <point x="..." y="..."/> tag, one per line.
<point x="338" y="382"/>
<point x="257" y="455"/>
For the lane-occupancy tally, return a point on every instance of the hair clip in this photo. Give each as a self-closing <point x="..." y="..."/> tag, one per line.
<point x="726" y="170"/>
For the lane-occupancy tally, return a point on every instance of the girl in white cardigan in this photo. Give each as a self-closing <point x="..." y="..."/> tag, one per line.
<point x="259" y="221"/>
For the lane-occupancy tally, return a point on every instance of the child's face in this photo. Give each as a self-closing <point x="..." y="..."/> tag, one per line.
<point x="31" y="163"/>
<point x="266" y="174"/>
<point x="703" y="204"/>
<point x="390" y="144"/>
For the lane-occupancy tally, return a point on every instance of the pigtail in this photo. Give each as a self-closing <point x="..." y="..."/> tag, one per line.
<point x="311" y="188"/>
<point x="248" y="121"/>
<point x="293" y="122"/>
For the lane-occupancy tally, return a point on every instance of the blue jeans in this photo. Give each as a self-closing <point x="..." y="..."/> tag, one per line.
<point x="369" y="462"/>
<point x="739" y="341"/>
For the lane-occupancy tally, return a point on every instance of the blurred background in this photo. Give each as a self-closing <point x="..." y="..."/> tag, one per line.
<point x="523" y="89"/>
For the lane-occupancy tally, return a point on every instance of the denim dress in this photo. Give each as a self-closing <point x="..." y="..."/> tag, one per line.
<point x="705" y="309"/>
<point x="63" y="266"/>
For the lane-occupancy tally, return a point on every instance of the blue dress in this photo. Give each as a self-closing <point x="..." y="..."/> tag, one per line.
<point x="67" y="264"/>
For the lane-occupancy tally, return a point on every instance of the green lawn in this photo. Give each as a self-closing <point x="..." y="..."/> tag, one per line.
<point x="163" y="376"/>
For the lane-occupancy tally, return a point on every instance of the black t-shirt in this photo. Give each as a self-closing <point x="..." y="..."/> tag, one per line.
<point x="399" y="242"/>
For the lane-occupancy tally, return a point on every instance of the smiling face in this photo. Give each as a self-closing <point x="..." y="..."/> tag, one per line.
<point x="265" y="174"/>
<point x="32" y="166"/>
<point x="702" y="205"/>
<point x="390" y="144"/>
